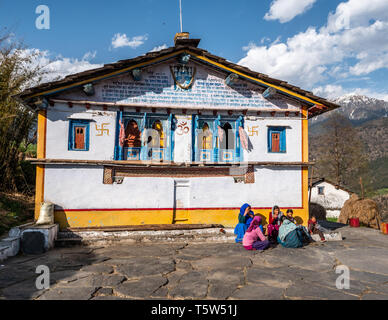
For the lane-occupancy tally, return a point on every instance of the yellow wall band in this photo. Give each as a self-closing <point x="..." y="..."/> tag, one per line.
<point x="107" y="218"/>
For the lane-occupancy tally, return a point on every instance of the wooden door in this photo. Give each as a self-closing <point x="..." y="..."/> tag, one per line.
<point x="275" y="142"/>
<point x="182" y="201"/>
<point x="79" y="137"/>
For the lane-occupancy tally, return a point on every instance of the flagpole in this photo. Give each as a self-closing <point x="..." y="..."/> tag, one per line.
<point x="180" y="13"/>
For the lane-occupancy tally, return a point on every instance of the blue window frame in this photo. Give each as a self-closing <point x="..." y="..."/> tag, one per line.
<point x="277" y="139"/>
<point x="207" y="144"/>
<point x="156" y="141"/>
<point x="79" y="133"/>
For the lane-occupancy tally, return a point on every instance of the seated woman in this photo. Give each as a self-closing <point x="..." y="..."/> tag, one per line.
<point x="274" y="224"/>
<point x="291" y="235"/>
<point x="254" y="238"/>
<point x="290" y="215"/>
<point x="244" y="220"/>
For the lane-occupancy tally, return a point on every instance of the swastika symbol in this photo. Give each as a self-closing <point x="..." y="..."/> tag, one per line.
<point x="102" y="129"/>
<point x="252" y="131"/>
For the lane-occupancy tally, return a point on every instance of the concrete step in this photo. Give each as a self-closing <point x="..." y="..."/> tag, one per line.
<point x="69" y="238"/>
<point x="13" y="244"/>
<point x="333" y="236"/>
<point x="3" y="252"/>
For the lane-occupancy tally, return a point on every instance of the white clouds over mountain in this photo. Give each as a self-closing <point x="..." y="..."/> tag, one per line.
<point x="286" y="10"/>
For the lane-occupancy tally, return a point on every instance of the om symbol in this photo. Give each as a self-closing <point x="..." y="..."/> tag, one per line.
<point x="183" y="128"/>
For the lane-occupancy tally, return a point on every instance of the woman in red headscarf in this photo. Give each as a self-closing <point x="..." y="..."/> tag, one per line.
<point x="254" y="238"/>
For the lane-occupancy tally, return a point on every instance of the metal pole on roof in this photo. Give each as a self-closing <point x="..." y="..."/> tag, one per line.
<point x="180" y="13"/>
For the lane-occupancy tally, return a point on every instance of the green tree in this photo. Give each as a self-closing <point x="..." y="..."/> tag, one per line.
<point x="17" y="72"/>
<point x="340" y="154"/>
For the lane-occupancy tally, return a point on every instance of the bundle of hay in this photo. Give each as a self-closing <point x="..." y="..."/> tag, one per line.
<point x="317" y="211"/>
<point x="366" y="210"/>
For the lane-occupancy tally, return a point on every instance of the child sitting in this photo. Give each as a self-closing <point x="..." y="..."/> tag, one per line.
<point x="274" y="224"/>
<point x="254" y="238"/>
<point x="313" y="228"/>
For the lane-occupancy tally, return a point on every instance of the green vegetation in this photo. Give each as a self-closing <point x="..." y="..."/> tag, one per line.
<point x="17" y="122"/>
<point x="378" y="192"/>
<point x="15" y="209"/>
<point x="379" y="173"/>
<point x="332" y="219"/>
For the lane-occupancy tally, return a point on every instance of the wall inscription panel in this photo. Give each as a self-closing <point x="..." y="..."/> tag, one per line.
<point x="157" y="87"/>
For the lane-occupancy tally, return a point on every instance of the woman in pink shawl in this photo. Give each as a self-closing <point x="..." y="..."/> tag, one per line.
<point x="254" y="238"/>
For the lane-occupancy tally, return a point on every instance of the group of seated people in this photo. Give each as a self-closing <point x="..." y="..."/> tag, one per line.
<point x="281" y="228"/>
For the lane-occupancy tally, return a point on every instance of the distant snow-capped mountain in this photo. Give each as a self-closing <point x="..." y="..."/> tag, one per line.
<point x="358" y="108"/>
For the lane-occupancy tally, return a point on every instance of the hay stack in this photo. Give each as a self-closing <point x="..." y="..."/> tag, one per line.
<point x="317" y="210"/>
<point x="366" y="210"/>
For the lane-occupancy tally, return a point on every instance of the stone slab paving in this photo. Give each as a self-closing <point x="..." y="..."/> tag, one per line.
<point x="205" y="271"/>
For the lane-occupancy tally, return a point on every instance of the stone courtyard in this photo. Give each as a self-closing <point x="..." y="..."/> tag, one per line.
<point x="190" y="270"/>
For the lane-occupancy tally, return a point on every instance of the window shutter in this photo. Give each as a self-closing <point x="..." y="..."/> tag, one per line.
<point x="283" y="140"/>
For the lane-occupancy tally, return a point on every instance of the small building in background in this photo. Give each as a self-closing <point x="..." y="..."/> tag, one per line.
<point x="330" y="196"/>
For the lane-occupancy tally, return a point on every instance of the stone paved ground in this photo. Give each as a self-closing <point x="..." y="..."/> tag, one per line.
<point x="205" y="271"/>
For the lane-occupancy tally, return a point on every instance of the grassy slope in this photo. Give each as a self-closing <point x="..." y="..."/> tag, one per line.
<point x="15" y="209"/>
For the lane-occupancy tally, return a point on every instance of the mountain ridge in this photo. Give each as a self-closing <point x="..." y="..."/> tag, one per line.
<point x="357" y="108"/>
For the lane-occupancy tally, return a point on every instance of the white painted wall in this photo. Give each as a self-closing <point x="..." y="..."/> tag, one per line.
<point x="102" y="147"/>
<point x="78" y="187"/>
<point x="182" y="137"/>
<point x="57" y="136"/>
<point x="81" y="187"/>
<point x="332" y="200"/>
<point x="259" y="140"/>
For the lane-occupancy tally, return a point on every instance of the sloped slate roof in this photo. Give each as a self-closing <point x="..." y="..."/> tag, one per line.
<point x="320" y="180"/>
<point x="317" y="105"/>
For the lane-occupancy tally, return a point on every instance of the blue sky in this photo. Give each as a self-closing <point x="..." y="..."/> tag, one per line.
<point x="329" y="46"/>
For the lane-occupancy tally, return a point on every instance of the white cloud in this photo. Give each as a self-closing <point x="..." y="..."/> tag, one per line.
<point x="58" y="67"/>
<point x="329" y="91"/>
<point x="158" y="48"/>
<point x="357" y="13"/>
<point x="121" y="40"/>
<point x="317" y="54"/>
<point x="286" y="10"/>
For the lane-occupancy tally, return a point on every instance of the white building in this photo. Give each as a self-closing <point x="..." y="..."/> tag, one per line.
<point x="330" y="196"/>
<point x="174" y="136"/>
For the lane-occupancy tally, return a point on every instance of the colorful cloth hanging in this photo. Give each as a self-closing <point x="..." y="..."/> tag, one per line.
<point x="243" y="138"/>
<point x="220" y="133"/>
<point x="121" y="134"/>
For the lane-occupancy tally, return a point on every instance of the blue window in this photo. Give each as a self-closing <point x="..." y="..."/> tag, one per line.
<point x="144" y="136"/>
<point x="79" y="135"/>
<point x="321" y="190"/>
<point x="276" y="139"/>
<point x="216" y="139"/>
